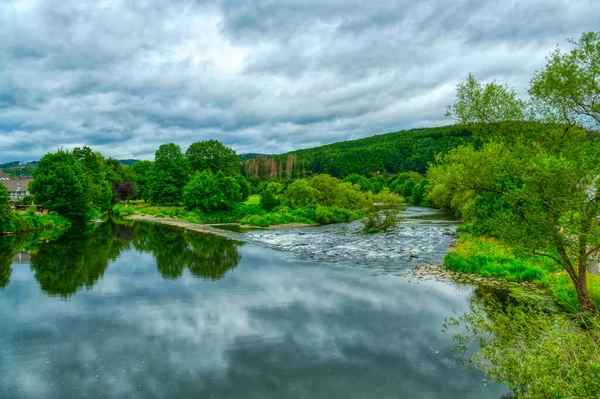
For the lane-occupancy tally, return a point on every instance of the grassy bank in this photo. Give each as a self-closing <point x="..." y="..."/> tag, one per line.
<point x="490" y="258"/>
<point x="247" y="213"/>
<point x="22" y="222"/>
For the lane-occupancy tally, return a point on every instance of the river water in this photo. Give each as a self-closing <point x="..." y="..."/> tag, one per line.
<point x="153" y="311"/>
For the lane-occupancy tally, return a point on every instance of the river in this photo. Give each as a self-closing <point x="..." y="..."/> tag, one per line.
<point x="153" y="311"/>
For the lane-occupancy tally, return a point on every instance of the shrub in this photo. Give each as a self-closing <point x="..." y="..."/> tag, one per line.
<point x="269" y="200"/>
<point x="334" y="214"/>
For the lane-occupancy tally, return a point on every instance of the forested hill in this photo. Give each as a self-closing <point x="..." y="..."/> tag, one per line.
<point x="407" y="150"/>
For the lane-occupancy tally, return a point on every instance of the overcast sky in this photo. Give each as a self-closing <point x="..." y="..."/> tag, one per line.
<point x="124" y="76"/>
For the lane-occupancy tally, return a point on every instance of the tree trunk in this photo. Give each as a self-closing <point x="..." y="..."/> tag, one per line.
<point x="583" y="294"/>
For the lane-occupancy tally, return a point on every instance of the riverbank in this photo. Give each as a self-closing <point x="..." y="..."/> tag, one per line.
<point x="487" y="262"/>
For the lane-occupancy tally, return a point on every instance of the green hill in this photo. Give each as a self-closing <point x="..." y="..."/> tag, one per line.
<point x="407" y="150"/>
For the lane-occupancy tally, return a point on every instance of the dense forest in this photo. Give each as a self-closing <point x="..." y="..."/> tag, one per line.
<point x="391" y="153"/>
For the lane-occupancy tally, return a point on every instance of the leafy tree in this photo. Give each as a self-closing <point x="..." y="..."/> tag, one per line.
<point x="550" y="200"/>
<point x="275" y="187"/>
<point x="489" y="103"/>
<point x="300" y="194"/>
<point x="169" y="175"/>
<point x="269" y="200"/>
<point x="244" y="187"/>
<point x="214" y="156"/>
<point x="210" y="192"/>
<point x="142" y="173"/>
<point x="382" y="211"/>
<point x="58" y="184"/>
<point x="124" y="190"/>
<point x="230" y="189"/>
<point x="327" y="187"/>
<point x="96" y="188"/>
<point x="567" y="89"/>
<point x="6" y="213"/>
<point x="203" y="192"/>
<point x="363" y="182"/>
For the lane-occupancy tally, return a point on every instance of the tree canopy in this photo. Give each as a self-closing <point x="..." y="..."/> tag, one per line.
<point x="169" y="175"/>
<point x="214" y="156"/>
<point x="59" y="184"/>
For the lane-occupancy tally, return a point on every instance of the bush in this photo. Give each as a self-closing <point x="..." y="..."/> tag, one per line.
<point x="120" y="211"/>
<point x="334" y="214"/>
<point x="282" y="216"/>
<point x="209" y="192"/>
<point x="538" y="355"/>
<point x="269" y="200"/>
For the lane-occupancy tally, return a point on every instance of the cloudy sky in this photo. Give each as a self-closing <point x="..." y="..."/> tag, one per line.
<point x="125" y="76"/>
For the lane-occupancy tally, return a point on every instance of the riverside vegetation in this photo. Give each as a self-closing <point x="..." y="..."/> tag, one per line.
<point x="523" y="174"/>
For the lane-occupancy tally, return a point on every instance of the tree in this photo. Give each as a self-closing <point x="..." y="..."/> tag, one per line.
<point x="58" y="184"/>
<point x="489" y="103"/>
<point x="6" y="213"/>
<point x="546" y="201"/>
<point x="300" y="194"/>
<point x="567" y="89"/>
<point x="169" y="175"/>
<point x="214" y="156"/>
<point x="269" y="200"/>
<point x="382" y="211"/>
<point x="210" y="192"/>
<point x="124" y="190"/>
<point x="244" y="187"/>
<point x="142" y="174"/>
<point x="96" y="188"/>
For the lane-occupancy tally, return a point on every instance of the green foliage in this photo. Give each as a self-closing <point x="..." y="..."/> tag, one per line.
<point x="168" y="176"/>
<point x="538" y="194"/>
<point x="334" y="214"/>
<point x="390" y="153"/>
<point x="213" y="156"/>
<point x="563" y="290"/>
<point x="269" y="200"/>
<point x="6" y="213"/>
<point x="364" y="184"/>
<point x="300" y="194"/>
<point x="142" y="171"/>
<point x="97" y="189"/>
<point x="490" y="103"/>
<point x="488" y="257"/>
<point x="537" y="354"/>
<point x="59" y="181"/>
<point x="280" y="216"/>
<point x="244" y="187"/>
<point x="567" y="88"/>
<point x="382" y="211"/>
<point x="209" y="192"/>
<point x="121" y="211"/>
<point x="253" y="199"/>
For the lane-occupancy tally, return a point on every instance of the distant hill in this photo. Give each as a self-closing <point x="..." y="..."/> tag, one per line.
<point x="128" y="162"/>
<point x="407" y="150"/>
<point x="248" y="156"/>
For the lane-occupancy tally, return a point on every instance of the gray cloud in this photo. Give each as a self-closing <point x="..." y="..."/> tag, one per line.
<point x="261" y="76"/>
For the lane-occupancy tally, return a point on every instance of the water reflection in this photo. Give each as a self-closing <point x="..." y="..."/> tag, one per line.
<point x="205" y="256"/>
<point x="79" y="258"/>
<point x="275" y="327"/>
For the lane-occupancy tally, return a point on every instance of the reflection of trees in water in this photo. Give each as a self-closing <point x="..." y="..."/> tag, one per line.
<point x="76" y="259"/>
<point x="9" y="247"/>
<point x="206" y="256"/>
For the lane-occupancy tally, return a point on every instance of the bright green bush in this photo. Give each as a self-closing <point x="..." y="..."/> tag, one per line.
<point x="282" y="216"/>
<point x="269" y="200"/>
<point x="120" y="211"/>
<point x="334" y="214"/>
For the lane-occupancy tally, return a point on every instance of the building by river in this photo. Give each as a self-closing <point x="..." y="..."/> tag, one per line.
<point x="18" y="187"/>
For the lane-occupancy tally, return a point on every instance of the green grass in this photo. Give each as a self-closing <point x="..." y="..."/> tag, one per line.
<point x="237" y="213"/>
<point x="280" y="215"/>
<point x="490" y="258"/>
<point x="30" y="221"/>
